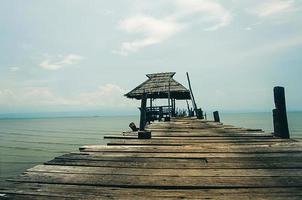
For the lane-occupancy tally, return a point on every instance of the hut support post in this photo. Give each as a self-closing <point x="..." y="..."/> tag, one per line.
<point x="279" y="113"/>
<point x="142" y="134"/>
<point x="169" y="99"/>
<point x="189" y="111"/>
<point x="216" y="116"/>
<point x="143" y="116"/>
<point x="150" y="114"/>
<point x="173" y="107"/>
<point x="160" y="114"/>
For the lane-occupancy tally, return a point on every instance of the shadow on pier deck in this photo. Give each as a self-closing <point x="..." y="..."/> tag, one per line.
<point x="185" y="159"/>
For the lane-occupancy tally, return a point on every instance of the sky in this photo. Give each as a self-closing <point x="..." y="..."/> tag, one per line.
<point x="79" y="55"/>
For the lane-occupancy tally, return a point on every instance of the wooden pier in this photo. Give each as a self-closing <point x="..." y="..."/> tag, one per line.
<point x="185" y="159"/>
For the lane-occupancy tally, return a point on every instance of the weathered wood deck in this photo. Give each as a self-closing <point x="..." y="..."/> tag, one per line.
<point x="185" y="159"/>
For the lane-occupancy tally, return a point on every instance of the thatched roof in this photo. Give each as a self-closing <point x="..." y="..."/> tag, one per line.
<point x="158" y="86"/>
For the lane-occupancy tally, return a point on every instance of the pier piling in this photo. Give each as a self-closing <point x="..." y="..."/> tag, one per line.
<point x="216" y="116"/>
<point x="279" y="113"/>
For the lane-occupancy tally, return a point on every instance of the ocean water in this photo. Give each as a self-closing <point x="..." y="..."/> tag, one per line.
<point x="28" y="142"/>
<point x="264" y="121"/>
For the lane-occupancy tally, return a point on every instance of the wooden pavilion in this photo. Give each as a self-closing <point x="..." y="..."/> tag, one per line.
<point x="160" y="86"/>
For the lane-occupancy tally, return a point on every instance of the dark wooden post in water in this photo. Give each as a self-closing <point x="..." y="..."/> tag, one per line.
<point x="216" y="116"/>
<point x="279" y="113"/>
<point x="142" y="134"/>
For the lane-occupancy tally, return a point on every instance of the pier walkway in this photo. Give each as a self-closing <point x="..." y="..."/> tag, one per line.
<point x="185" y="159"/>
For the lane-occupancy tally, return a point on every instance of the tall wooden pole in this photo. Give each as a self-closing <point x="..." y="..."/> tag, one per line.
<point x="191" y="93"/>
<point x="143" y="116"/>
<point x="279" y="114"/>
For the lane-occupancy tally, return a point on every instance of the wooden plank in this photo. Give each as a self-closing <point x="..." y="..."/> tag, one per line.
<point x="89" y="189"/>
<point x="119" y="155"/>
<point x="216" y="163"/>
<point x="167" y="172"/>
<point x="195" y="128"/>
<point x="98" y="192"/>
<point x="25" y="196"/>
<point x="120" y="164"/>
<point x="282" y="147"/>
<point x="174" y="133"/>
<point x="172" y="142"/>
<point x="168" y="157"/>
<point x="201" y="138"/>
<point x="201" y="128"/>
<point x="134" y="196"/>
<point x="160" y="181"/>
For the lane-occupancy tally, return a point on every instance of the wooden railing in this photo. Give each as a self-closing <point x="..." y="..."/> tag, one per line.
<point x="158" y="112"/>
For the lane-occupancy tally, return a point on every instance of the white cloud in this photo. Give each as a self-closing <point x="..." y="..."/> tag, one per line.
<point x="6" y="97"/>
<point x="211" y="12"/>
<point x="14" y="69"/>
<point x="281" y="44"/>
<point x="155" y="30"/>
<point x="271" y="47"/>
<point x="58" y="62"/>
<point x="32" y="96"/>
<point x="108" y="95"/>
<point x="44" y="96"/>
<point x="272" y="7"/>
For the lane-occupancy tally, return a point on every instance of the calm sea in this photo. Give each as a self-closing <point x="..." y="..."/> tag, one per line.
<point x="28" y="142"/>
